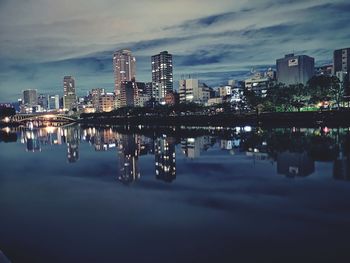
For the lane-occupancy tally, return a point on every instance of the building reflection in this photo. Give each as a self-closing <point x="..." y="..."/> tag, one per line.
<point x="341" y="167"/>
<point x="31" y="140"/>
<point x="294" y="164"/>
<point x="71" y="136"/>
<point x="128" y="154"/>
<point x="165" y="158"/>
<point x="192" y="147"/>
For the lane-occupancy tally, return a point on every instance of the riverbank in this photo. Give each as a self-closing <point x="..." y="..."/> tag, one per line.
<point x="305" y="119"/>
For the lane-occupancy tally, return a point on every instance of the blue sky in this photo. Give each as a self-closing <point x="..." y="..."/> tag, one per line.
<point x="43" y="40"/>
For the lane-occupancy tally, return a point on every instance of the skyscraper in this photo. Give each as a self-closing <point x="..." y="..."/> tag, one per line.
<point x="69" y="95"/>
<point x="341" y="69"/>
<point x="53" y="102"/>
<point x="162" y="75"/>
<point x="124" y="67"/>
<point x="295" y="69"/>
<point x="30" y="97"/>
<point x="341" y="60"/>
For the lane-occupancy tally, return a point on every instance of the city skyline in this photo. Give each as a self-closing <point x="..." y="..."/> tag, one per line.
<point x="219" y="43"/>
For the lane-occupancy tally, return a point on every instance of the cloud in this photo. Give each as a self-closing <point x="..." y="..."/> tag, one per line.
<point x="41" y="41"/>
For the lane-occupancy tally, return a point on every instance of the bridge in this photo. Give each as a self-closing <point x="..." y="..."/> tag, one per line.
<point x="42" y="117"/>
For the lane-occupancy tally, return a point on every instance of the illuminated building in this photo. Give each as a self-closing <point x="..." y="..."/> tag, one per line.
<point x="124" y="67"/>
<point x="162" y="75"/>
<point x="95" y="97"/>
<point x="129" y="95"/>
<point x="106" y="102"/>
<point x="190" y="90"/>
<point x="30" y="97"/>
<point x="53" y="102"/>
<point x="165" y="158"/>
<point x="295" y="69"/>
<point x="69" y="95"/>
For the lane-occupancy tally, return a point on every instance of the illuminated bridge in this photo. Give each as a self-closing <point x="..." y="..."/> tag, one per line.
<point x="42" y="117"/>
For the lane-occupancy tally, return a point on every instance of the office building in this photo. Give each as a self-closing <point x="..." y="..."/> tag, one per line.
<point x="106" y="102"/>
<point x="128" y="95"/>
<point x="341" y="69"/>
<point x="69" y="94"/>
<point x="124" y="67"/>
<point x="53" y="102"/>
<point x="190" y="90"/>
<point x="95" y="97"/>
<point x="293" y="69"/>
<point x="30" y="97"/>
<point x="162" y="75"/>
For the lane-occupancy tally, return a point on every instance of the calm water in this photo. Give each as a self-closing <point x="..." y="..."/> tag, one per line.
<point x="244" y="195"/>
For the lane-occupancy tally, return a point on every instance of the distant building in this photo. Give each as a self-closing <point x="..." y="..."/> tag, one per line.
<point x="324" y="70"/>
<point x="295" y="69"/>
<point x="225" y="91"/>
<point x="190" y="90"/>
<point x="341" y="60"/>
<point x="259" y="84"/>
<point x="162" y="75"/>
<point x="69" y="93"/>
<point x="128" y="94"/>
<point x="43" y="102"/>
<point x="95" y="97"/>
<point x="30" y="97"/>
<point x="53" y="102"/>
<point x="106" y="102"/>
<point x="124" y="67"/>
<point x="341" y="68"/>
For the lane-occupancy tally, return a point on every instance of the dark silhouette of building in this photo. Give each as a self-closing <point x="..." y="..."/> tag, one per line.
<point x="295" y="164"/>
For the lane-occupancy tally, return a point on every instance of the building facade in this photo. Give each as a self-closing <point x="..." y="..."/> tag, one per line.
<point x="30" y="97"/>
<point x="69" y="93"/>
<point x="162" y="75"/>
<point x="293" y="70"/>
<point x="124" y="67"/>
<point x="106" y="102"/>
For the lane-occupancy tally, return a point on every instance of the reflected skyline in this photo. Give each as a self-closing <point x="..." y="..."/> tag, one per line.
<point x="294" y="152"/>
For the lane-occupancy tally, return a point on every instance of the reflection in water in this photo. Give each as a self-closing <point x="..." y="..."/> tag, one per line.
<point x="165" y="158"/>
<point x="294" y="151"/>
<point x="128" y="154"/>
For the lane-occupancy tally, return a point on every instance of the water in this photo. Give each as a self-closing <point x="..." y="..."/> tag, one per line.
<point x="139" y="195"/>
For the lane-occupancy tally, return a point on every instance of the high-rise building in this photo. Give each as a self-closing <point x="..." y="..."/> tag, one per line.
<point x="341" y="69"/>
<point x="341" y="60"/>
<point x="30" y="97"/>
<point x="295" y="69"/>
<point x="124" y="67"/>
<point x="69" y="95"/>
<point x="128" y="94"/>
<point x="53" y="102"/>
<point x="162" y="75"/>
<point x="43" y="102"/>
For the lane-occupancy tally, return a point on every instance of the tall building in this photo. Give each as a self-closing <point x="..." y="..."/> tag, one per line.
<point x="162" y="75"/>
<point x="30" y="97"/>
<point x="341" y="60"/>
<point x="53" y="102"/>
<point x="128" y="94"/>
<point x="124" y="67"/>
<point x="341" y="68"/>
<point x="295" y="69"/>
<point x="69" y="95"/>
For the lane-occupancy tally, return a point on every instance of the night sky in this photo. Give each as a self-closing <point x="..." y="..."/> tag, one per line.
<point x="43" y="40"/>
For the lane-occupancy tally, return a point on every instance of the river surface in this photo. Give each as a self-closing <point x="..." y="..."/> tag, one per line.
<point x="74" y="194"/>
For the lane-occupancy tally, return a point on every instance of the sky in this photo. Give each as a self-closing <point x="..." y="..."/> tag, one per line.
<point x="41" y="41"/>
